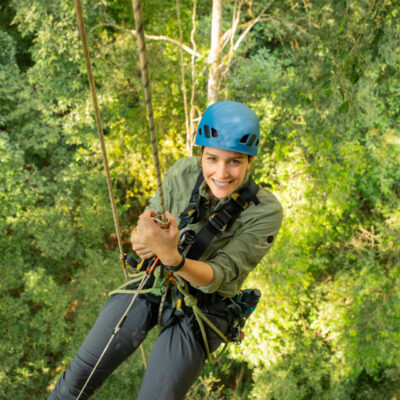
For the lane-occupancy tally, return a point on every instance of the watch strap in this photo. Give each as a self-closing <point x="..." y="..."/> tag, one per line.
<point x="177" y="267"/>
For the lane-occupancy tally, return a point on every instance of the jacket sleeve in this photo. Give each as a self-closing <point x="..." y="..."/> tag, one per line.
<point x="234" y="261"/>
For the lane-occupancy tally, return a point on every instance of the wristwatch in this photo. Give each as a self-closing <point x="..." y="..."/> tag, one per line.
<point x="177" y="267"/>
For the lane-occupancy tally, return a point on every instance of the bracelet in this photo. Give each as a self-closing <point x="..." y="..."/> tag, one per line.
<point x="177" y="267"/>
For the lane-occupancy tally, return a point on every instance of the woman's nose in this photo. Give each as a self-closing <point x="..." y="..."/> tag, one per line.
<point x="222" y="171"/>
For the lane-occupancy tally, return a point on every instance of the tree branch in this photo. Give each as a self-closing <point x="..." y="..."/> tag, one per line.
<point x="151" y="37"/>
<point x="251" y="24"/>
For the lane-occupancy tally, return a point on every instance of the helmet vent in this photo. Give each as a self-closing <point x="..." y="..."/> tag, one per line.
<point x="207" y="131"/>
<point x="199" y="131"/>
<point x="252" y="139"/>
<point x="244" y="138"/>
<point x="214" y="132"/>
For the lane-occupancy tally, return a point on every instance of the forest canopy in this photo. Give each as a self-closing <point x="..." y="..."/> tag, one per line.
<point x="324" y="79"/>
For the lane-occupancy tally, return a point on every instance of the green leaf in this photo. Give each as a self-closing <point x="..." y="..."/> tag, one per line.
<point x="342" y="24"/>
<point x="344" y="108"/>
<point x="326" y="84"/>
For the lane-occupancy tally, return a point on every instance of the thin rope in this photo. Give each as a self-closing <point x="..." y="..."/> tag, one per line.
<point x="137" y="11"/>
<point x="82" y="31"/>
<point x="191" y="301"/>
<point x="115" y="331"/>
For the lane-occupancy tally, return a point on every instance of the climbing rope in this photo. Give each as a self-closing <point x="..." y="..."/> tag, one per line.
<point x="82" y="31"/>
<point x="137" y="11"/>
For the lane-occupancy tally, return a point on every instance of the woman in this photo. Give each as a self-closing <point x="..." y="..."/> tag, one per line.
<point x="231" y="224"/>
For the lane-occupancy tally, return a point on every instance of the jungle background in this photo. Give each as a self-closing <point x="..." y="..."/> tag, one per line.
<point x="324" y="78"/>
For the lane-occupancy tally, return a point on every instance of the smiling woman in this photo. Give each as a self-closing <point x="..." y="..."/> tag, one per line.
<point x="231" y="224"/>
<point x="224" y="170"/>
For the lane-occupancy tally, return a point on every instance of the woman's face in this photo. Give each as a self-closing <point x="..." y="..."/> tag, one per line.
<point x="224" y="170"/>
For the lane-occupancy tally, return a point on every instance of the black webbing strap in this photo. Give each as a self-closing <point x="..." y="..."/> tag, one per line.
<point x="223" y="218"/>
<point x="191" y="212"/>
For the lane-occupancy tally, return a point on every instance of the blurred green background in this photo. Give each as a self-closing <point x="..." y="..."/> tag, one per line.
<point x="324" y="78"/>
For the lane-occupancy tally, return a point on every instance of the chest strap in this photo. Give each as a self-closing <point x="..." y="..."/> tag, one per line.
<point x="220" y="220"/>
<point x="191" y="213"/>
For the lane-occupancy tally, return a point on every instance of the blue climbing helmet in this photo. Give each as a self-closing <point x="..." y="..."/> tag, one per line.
<point x="231" y="126"/>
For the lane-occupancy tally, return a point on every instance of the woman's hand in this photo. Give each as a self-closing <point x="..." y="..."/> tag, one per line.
<point x="149" y="239"/>
<point x="142" y="251"/>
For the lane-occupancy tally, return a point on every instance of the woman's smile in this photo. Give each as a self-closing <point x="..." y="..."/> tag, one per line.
<point x="224" y="170"/>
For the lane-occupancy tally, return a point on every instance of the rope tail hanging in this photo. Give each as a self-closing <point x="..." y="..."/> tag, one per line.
<point x="82" y="31"/>
<point x="137" y="11"/>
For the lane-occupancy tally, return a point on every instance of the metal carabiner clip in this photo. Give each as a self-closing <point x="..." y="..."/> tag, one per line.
<point x="159" y="221"/>
<point x="187" y="236"/>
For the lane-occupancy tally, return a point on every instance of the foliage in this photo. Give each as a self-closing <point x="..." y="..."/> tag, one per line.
<point x="324" y="79"/>
<point x="331" y="297"/>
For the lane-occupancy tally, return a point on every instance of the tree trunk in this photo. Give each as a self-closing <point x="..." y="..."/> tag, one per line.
<point x="213" y="58"/>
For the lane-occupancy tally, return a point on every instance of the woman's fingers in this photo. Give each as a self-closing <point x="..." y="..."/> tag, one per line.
<point x="148" y="238"/>
<point x="142" y="251"/>
<point x="134" y="237"/>
<point x="146" y="215"/>
<point x="171" y="220"/>
<point x="144" y="255"/>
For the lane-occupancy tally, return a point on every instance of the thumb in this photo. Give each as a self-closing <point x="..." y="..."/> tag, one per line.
<point x="171" y="219"/>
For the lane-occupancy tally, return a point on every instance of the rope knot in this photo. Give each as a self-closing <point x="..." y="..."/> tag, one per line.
<point x="190" y="300"/>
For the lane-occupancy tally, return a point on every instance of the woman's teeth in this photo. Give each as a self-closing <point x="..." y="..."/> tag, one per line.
<point x="222" y="184"/>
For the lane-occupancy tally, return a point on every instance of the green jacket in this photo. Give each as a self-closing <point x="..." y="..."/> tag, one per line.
<point x="236" y="252"/>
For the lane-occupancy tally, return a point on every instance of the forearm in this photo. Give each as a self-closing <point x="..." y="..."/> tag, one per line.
<point x="196" y="272"/>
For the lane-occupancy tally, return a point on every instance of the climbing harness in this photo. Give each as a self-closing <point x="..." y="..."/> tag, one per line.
<point x="220" y="220"/>
<point x="238" y="307"/>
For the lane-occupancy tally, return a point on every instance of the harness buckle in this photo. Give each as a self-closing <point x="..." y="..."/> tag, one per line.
<point x="187" y="217"/>
<point x="186" y="237"/>
<point x="219" y="223"/>
<point x="238" y="199"/>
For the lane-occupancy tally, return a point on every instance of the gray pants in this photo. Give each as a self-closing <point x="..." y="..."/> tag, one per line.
<point x="176" y="360"/>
